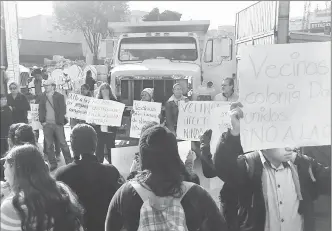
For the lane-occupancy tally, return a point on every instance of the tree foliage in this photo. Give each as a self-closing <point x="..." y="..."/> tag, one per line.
<point x="91" y="18"/>
<point x="167" y="15"/>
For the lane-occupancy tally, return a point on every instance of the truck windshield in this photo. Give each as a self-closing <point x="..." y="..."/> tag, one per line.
<point x="172" y="48"/>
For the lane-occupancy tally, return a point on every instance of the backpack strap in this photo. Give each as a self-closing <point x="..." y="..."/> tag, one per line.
<point x="186" y="187"/>
<point x="142" y="192"/>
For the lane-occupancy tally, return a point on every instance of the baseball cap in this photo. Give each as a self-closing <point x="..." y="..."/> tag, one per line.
<point x="49" y="82"/>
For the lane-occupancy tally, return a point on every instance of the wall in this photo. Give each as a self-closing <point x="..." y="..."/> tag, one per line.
<point x="41" y="27"/>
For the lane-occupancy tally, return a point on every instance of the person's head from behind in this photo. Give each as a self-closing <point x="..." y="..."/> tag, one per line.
<point x="160" y="162"/>
<point x="3" y="100"/>
<point x="177" y="90"/>
<point x="209" y="84"/>
<point x="105" y="92"/>
<point x="19" y="134"/>
<point x="24" y="164"/>
<point x="227" y="86"/>
<point x="85" y="90"/>
<point x="14" y="88"/>
<point x="35" y="188"/>
<point x="147" y="94"/>
<point x="83" y="140"/>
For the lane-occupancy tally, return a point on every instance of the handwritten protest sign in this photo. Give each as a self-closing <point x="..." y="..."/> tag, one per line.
<point x="194" y="117"/>
<point x="144" y="112"/>
<point x="77" y="106"/>
<point x="184" y="147"/>
<point x="33" y="117"/>
<point x="220" y="122"/>
<point x="286" y="93"/>
<point x="105" y="112"/>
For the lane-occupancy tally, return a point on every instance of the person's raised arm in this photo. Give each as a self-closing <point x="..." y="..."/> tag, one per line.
<point x="206" y="156"/>
<point x="229" y="148"/>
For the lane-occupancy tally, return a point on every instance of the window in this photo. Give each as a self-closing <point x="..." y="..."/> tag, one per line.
<point x="172" y="48"/>
<point x="208" y="54"/>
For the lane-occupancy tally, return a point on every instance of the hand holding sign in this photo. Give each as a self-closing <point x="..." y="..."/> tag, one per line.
<point x="236" y="114"/>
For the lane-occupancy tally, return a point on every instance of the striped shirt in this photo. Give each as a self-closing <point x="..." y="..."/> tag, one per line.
<point x="10" y="219"/>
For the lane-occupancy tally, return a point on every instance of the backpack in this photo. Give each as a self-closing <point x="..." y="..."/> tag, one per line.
<point x="161" y="213"/>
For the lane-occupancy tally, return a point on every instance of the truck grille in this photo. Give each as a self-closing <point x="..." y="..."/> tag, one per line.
<point x="131" y="90"/>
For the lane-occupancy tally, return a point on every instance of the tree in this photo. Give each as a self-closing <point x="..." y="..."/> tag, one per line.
<point x="91" y="18"/>
<point x="167" y="15"/>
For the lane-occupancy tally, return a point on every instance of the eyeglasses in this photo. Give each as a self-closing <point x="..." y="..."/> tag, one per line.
<point x="12" y="88"/>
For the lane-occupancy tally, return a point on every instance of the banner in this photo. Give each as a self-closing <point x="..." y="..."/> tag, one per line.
<point x="105" y="112"/>
<point x="144" y="112"/>
<point x="77" y="106"/>
<point x="286" y="93"/>
<point x="194" y="118"/>
<point x="33" y="117"/>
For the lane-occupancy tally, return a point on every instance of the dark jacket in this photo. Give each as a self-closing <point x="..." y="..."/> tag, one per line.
<point x="95" y="184"/>
<point x="91" y="82"/>
<point x="232" y="169"/>
<point x="228" y="195"/>
<point x="20" y="107"/>
<point x="6" y="121"/>
<point x="59" y="105"/>
<point x="171" y="114"/>
<point x="198" y="205"/>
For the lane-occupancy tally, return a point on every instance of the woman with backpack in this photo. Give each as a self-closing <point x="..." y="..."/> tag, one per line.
<point x="159" y="193"/>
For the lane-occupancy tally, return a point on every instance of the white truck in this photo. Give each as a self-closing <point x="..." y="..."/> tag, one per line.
<point x="158" y="54"/>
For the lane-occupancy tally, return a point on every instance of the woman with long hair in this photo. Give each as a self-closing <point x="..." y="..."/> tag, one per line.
<point x="106" y="134"/>
<point x="162" y="179"/>
<point x="37" y="202"/>
<point x="18" y="104"/>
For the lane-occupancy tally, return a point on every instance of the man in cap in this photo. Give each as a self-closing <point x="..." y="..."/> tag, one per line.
<point x="52" y="110"/>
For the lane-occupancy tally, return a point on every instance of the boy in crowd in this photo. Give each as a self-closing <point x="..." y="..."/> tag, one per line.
<point x="275" y="188"/>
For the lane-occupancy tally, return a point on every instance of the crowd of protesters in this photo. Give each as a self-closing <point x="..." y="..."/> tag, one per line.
<point x="266" y="190"/>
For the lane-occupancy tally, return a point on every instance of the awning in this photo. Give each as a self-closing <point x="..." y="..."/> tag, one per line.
<point x="160" y="26"/>
<point x="24" y="69"/>
<point x="47" y="48"/>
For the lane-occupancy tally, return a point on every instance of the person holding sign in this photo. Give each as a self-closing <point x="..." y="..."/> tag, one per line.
<point x="276" y="187"/>
<point x="172" y="107"/>
<point x="228" y="93"/>
<point x="106" y="134"/>
<point x="85" y="91"/>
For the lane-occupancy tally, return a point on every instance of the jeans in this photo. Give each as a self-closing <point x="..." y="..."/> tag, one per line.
<point x="108" y="139"/>
<point x="56" y="144"/>
<point x="50" y="132"/>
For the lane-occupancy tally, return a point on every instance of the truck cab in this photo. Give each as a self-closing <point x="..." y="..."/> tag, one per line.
<point x="159" y="54"/>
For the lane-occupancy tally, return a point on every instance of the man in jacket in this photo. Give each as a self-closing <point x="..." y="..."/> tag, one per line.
<point x="278" y="190"/>
<point x="52" y="110"/>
